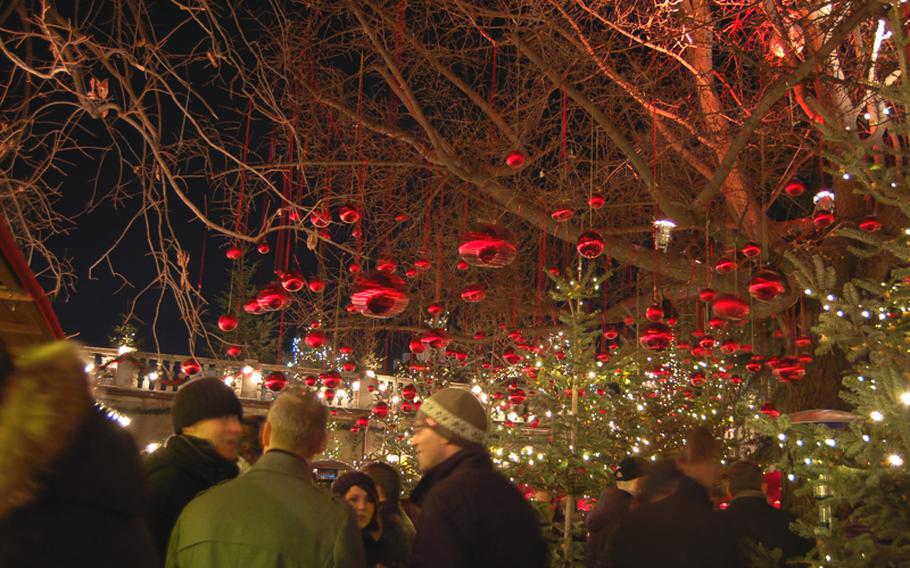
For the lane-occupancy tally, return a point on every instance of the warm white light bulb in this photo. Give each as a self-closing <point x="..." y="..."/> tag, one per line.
<point x="905" y="398"/>
<point x="877" y="416"/>
<point x="895" y="460"/>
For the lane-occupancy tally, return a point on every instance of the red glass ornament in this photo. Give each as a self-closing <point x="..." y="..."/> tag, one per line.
<point x="602" y="356"/>
<point x="654" y="312"/>
<point x="275" y="381"/>
<point x="717" y="323"/>
<point x="321" y="218"/>
<point x="362" y="422"/>
<point x="611" y="333"/>
<point x="417" y="346"/>
<point x="768" y="409"/>
<point x="628" y="320"/>
<point x="356" y="233"/>
<point x="234" y="253"/>
<point x="354" y="267"/>
<point x="348" y="214"/>
<point x="724" y="265"/>
<point x="803" y="341"/>
<point x="767" y="285"/>
<point x="488" y="246"/>
<point x="409" y="392"/>
<point x="751" y="249"/>
<point x="381" y="410"/>
<point x="316" y="339"/>
<point x="434" y="309"/>
<point x="228" y="322"/>
<point x="190" y="367"/>
<point x="562" y="215"/>
<point x="870" y="224"/>
<point x="707" y="342"/>
<point x="804" y="358"/>
<point x="461" y="265"/>
<point x="656" y="336"/>
<point x="682" y="345"/>
<point x="316" y="285"/>
<point x="729" y="346"/>
<point x="252" y="307"/>
<point x="233" y="350"/>
<point x="379" y="295"/>
<point x="707" y="295"/>
<point x="789" y="369"/>
<point x="517" y="396"/>
<point x="263" y="248"/>
<point x="511" y="357"/>
<point x="410" y="272"/>
<point x="330" y="379"/>
<point x="422" y="264"/>
<point x="736" y="379"/>
<point x="697" y="379"/>
<point x="310" y="381"/>
<point x="730" y="307"/>
<point x="329" y="395"/>
<point x="473" y="293"/>
<point x="480" y="335"/>
<point x="754" y="364"/>
<point x="401" y="217"/>
<point x="346" y="349"/>
<point x="515" y="159"/>
<point x="292" y="281"/>
<point x="406" y="407"/>
<point x="590" y="244"/>
<point x="386" y="265"/>
<point x="553" y="270"/>
<point x="435" y="338"/>
<point x="273" y="297"/>
<point x="348" y="367"/>
<point x="794" y="188"/>
<point x="596" y="201"/>
<point x="823" y="219"/>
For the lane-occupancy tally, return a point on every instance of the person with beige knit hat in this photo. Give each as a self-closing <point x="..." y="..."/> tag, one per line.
<point x="470" y="514"/>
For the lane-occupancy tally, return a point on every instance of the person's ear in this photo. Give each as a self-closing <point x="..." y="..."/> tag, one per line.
<point x="265" y="436"/>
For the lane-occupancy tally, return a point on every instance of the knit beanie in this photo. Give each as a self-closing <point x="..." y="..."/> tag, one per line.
<point x="343" y="484"/>
<point x="203" y="398"/>
<point x="459" y="417"/>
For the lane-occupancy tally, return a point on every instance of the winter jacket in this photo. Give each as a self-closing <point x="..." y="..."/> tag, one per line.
<point x="681" y="530"/>
<point x="71" y="488"/>
<point x="273" y="515"/>
<point x="183" y="468"/>
<point x="471" y="516"/>
<point x="754" y="519"/>
<point x="603" y="522"/>
<point x="397" y="534"/>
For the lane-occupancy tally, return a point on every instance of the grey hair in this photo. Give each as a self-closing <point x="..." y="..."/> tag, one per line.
<point x="298" y="420"/>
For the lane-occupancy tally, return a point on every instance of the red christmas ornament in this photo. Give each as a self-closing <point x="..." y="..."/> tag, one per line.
<point x="401" y="217"/>
<point x="789" y="370"/>
<point x="768" y="409"/>
<point x="823" y="219"/>
<point x="354" y="267"/>
<point x="263" y="247"/>
<point x="228" y="322"/>
<point x="406" y="407"/>
<point x="729" y="346"/>
<point x="422" y="264"/>
<point x="767" y="285"/>
<point x="511" y="357"/>
<point x="461" y="265"/>
<point x="362" y="422"/>
<point x="717" y="323"/>
<point x="275" y="381"/>
<point x="252" y="307"/>
<point x="724" y="265"/>
<point x="386" y="265"/>
<point x="310" y="381"/>
<point x="751" y="249"/>
<point x="329" y="395"/>
<point x="348" y="367"/>
<point x="330" y="379"/>
<point x="316" y="285"/>
<point x="348" y="214"/>
<point x="870" y="224"/>
<point x="434" y="309"/>
<point x="517" y="396"/>
<point x="754" y="364"/>
<point x="273" y="297"/>
<point x="321" y="218"/>
<point x="417" y="346"/>
<point x="488" y="246"/>
<point x="562" y="215"/>
<point x="707" y="295"/>
<point x="346" y="349"/>
<point x="707" y="342"/>
<point x="611" y="333"/>
<point x="794" y="188"/>
<point x="803" y="341"/>
<point x="473" y="293"/>
<point x="697" y="379"/>
<point x="316" y="339"/>
<point x="596" y="201"/>
<point x="554" y="270"/>
<point x="379" y="295"/>
<point x="590" y="244"/>
<point x="292" y="281"/>
<point x="628" y="320"/>
<point x="356" y="233"/>
<point x="381" y="410"/>
<point x="410" y="272"/>
<point x="234" y="253"/>
<point x="233" y="350"/>
<point x="602" y="356"/>
<point x="654" y="313"/>
<point x="409" y="392"/>
<point x="656" y="336"/>
<point x="190" y="367"/>
<point x="730" y="307"/>
<point x="515" y="159"/>
<point x="435" y="338"/>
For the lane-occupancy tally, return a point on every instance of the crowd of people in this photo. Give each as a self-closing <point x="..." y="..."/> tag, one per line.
<point x="73" y="491"/>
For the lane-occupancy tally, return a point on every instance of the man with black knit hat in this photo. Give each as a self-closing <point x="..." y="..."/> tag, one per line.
<point x="203" y="452"/>
<point x="470" y="514"/>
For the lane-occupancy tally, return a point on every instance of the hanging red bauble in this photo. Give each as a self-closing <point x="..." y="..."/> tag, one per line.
<point x="348" y="367"/>
<point x="823" y="219"/>
<point x="754" y="365"/>
<point x="611" y="333"/>
<point x="515" y="159"/>
<point x="590" y="244"/>
<point x="789" y="369"/>
<point x="386" y="265"/>
<point x="515" y="335"/>
<point x="804" y="358"/>
<point x="316" y="339"/>
<point x="656" y="336"/>
<point x="417" y="346"/>
<point x="480" y="335"/>
<point x="803" y="341"/>
<point x="410" y="272"/>
<point x="596" y="201"/>
<point x="263" y="247"/>
<point x="717" y="323"/>
<point x="329" y="395"/>
<point x="381" y="410"/>
<point x="724" y="265"/>
<point x="406" y="407"/>
<point x="745" y="347"/>
<point x="682" y="346"/>
<point x="435" y="338"/>
<point x="707" y="295"/>
<point x="602" y="356"/>
<point x="707" y="342"/>
<point x="409" y="392"/>
<point x="698" y="351"/>
<point x="321" y="218"/>
<point x="233" y="350"/>
<point x="473" y="293"/>
<point x="310" y="381"/>
<point x="767" y="285"/>
<point x="870" y="224"/>
<point x="362" y="422"/>
<point x="252" y="307"/>
<point x="401" y="217"/>
<point x="292" y="281"/>
<point x="729" y="346"/>
<point x="434" y="309"/>
<point x="794" y="188"/>
<point x="228" y="322"/>
<point x="190" y="367"/>
<point x="751" y="249"/>
<point x="511" y="357"/>
<point x="768" y="409"/>
<point x="488" y="246"/>
<point x="346" y="349"/>
<point x="554" y="270"/>
<point x="422" y="264"/>
<point x="654" y="312"/>
<point x="461" y="265"/>
<point x="234" y="253"/>
<point x="275" y="381"/>
<point x="330" y="379"/>
<point x="348" y="214"/>
<point x="517" y="396"/>
<point x="697" y="379"/>
<point x="379" y="295"/>
<point x="730" y="307"/>
<point x="354" y="267"/>
<point x="562" y="215"/>
<point x="316" y="285"/>
<point x="273" y="297"/>
<point x="356" y="233"/>
<point x="628" y="320"/>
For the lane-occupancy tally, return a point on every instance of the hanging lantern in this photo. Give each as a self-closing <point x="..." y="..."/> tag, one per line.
<point x="321" y="218"/>
<point x="273" y="297"/>
<point x="729" y="346"/>
<point x="767" y="285"/>
<point x="488" y="246"/>
<point x="348" y="366"/>
<point x="654" y="313"/>
<point x="232" y="351"/>
<point x="656" y="337"/>
<point x="724" y="265"/>
<point x="228" y="322"/>
<point x="348" y="214"/>
<point x="751" y="249"/>
<point x="190" y="367"/>
<point x="263" y="247"/>
<point x="316" y="285"/>
<point x="417" y="346"/>
<point x="768" y="409"/>
<point x="590" y="244"/>
<point x="409" y="392"/>
<point x="596" y="201"/>
<point x="379" y="295"/>
<point x="252" y="307"/>
<point x="380" y="410"/>
<point x="823" y="216"/>
<point x="386" y="265"/>
<point x="794" y="188"/>
<point x="515" y="159"/>
<point x="292" y="281"/>
<point x="562" y="215"/>
<point x="435" y="338"/>
<point x="730" y="307"/>
<point x="316" y="339"/>
<point x="234" y="253"/>
<point x="663" y="234"/>
<point x="473" y="293"/>
<point x="275" y="381"/>
<point x="330" y="379"/>
<point x="517" y="396"/>
<point x="707" y="295"/>
<point x="870" y="224"/>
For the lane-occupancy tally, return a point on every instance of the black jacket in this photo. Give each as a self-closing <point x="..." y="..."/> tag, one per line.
<point x="754" y="519"/>
<point x="397" y="535"/>
<point x="681" y="530"/>
<point x="175" y="474"/>
<point x="603" y="522"/>
<point x="471" y="516"/>
<point x="71" y="489"/>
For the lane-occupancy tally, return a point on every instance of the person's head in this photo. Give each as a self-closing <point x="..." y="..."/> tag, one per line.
<point x="296" y="423"/>
<point x="700" y="459"/>
<point x="630" y="472"/>
<point x="251" y="438"/>
<point x="447" y="422"/>
<point x="387" y="480"/>
<point x="360" y="492"/>
<point x="207" y="408"/>
<point x="744" y="476"/>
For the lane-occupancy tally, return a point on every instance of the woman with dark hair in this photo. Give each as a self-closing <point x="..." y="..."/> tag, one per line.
<point x="359" y="490"/>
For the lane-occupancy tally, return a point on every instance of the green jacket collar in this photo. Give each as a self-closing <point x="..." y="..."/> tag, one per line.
<point x="284" y="462"/>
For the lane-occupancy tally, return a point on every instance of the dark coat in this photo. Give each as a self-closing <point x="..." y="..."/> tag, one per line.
<point x="603" y="522"/>
<point x="397" y="535"/>
<point x="681" y="530"/>
<point x="71" y="490"/>
<point x="753" y="518"/>
<point x="471" y="516"/>
<point x="176" y="473"/>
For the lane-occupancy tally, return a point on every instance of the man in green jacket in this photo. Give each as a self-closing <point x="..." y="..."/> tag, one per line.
<point x="274" y="515"/>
